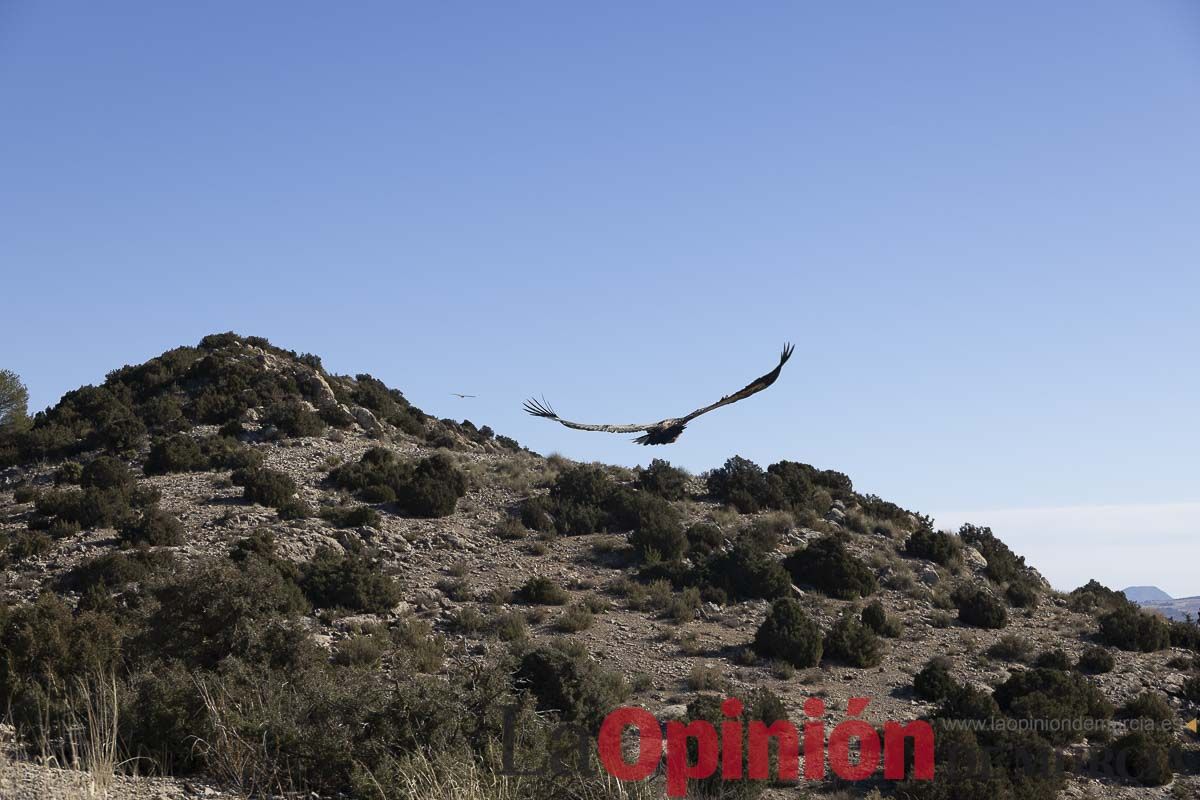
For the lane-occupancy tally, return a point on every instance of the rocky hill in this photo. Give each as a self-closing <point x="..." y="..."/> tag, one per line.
<point x="230" y="569"/>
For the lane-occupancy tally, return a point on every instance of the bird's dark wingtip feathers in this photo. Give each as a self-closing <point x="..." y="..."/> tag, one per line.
<point x="540" y="408"/>
<point x="788" y="347"/>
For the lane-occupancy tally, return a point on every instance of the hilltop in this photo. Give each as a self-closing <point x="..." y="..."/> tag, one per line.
<point x="284" y="580"/>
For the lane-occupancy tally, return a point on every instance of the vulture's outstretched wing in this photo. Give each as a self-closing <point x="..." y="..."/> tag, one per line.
<point x="540" y="408"/>
<point x="754" y="387"/>
<point x="667" y="430"/>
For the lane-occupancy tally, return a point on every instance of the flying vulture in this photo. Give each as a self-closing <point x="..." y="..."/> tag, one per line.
<point x="667" y="430"/>
<point x="461" y="396"/>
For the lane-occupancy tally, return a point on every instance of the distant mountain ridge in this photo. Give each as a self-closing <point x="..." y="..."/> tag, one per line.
<point x="1156" y="599"/>
<point x="1147" y="594"/>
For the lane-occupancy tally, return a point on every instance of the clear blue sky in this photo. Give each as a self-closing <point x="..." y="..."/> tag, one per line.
<point x="978" y="222"/>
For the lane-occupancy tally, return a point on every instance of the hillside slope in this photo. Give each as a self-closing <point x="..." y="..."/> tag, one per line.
<point x="287" y="580"/>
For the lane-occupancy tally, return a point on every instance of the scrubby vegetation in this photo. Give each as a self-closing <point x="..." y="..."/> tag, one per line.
<point x="980" y="608"/>
<point x="430" y="487"/>
<point x="934" y="682"/>
<point x="788" y="634"/>
<point x="936" y="546"/>
<point x="853" y="643"/>
<point x="828" y="566"/>
<point x="1130" y="628"/>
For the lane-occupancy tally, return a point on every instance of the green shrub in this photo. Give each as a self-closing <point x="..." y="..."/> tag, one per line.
<point x="540" y="590"/>
<point x="1191" y="689"/>
<point x="1143" y="758"/>
<point x="659" y="529"/>
<point x="1184" y="633"/>
<point x="1095" y="661"/>
<point x="1053" y="659"/>
<point x="351" y="580"/>
<point x="1053" y="694"/>
<point x="562" y="678"/>
<point x="979" y="608"/>
<point x="511" y="529"/>
<point x="29" y="544"/>
<point x="740" y="483"/>
<point x="875" y="618"/>
<point x="115" y="570"/>
<point x="154" y="527"/>
<point x="1022" y="594"/>
<point x="1094" y="596"/>
<point x="178" y="453"/>
<point x="269" y="487"/>
<point x="46" y="649"/>
<point x="90" y="508"/>
<point x="218" y="609"/>
<point x="429" y="488"/>
<point x="106" y="472"/>
<point x="69" y="472"/>
<point x="535" y="514"/>
<point x="1003" y="565"/>
<point x="575" y="619"/>
<point x="827" y="566"/>
<point x="1011" y="647"/>
<point x="853" y="643"/>
<point x="934" y="682"/>
<point x="1129" y="628"/>
<point x="703" y="538"/>
<point x="936" y="546"/>
<point x="745" y="572"/>
<point x="664" y="480"/>
<point x="351" y="516"/>
<point x="789" y="634"/>
<point x="433" y="489"/>
<point x="583" y="484"/>
<point x="510" y="627"/>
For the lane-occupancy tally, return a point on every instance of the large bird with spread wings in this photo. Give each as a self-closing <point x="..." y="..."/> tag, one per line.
<point x="667" y="430"/>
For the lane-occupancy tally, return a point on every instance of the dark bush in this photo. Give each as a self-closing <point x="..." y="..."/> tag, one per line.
<point x="659" y="529"/>
<point x="433" y="489"/>
<point x="117" y="569"/>
<point x="69" y="472"/>
<point x="827" y="566"/>
<point x="703" y="538"/>
<point x="934" y="682"/>
<point x="740" y="483"/>
<point x="178" y="453"/>
<point x="1011" y="647"/>
<point x="979" y="608"/>
<point x="106" y="472"/>
<point x="936" y="546"/>
<point x="790" y="635"/>
<point x="1022" y="594"/>
<point x="1094" y="596"/>
<point x="875" y="618"/>
<point x="583" y="484"/>
<point x="293" y="418"/>
<point x="1053" y="659"/>
<point x="745" y="572"/>
<point x="853" y="643"/>
<point x="429" y="488"/>
<point x="536" y="515"/>
<point x="540" y="590"/>
<point x="351" y="516"/>
<point x="664" y="480"/>
<point x="1129" y="628"/>
<point x="1141" y="757"/>
<point x="563" y="679"/>
<point x="89" y="508"/>
<point x="1184" y="633"/>
<point x="1053" y="694"/>
<point x="1095" y="661"/>
<point x="351" y="580"/>
<point x="1191" y="689"/>
<point x="154" y="527"/>
<point x="47" y="648"/>
<point x="29" y="544"/>
<point x="269" y="487"/>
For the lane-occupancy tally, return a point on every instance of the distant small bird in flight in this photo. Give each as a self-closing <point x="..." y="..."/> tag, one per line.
<point x="456" y="394"/>
<point x="667" y="430"/>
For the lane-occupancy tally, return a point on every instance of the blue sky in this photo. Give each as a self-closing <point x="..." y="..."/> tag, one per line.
<point x="977" y="222"/>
